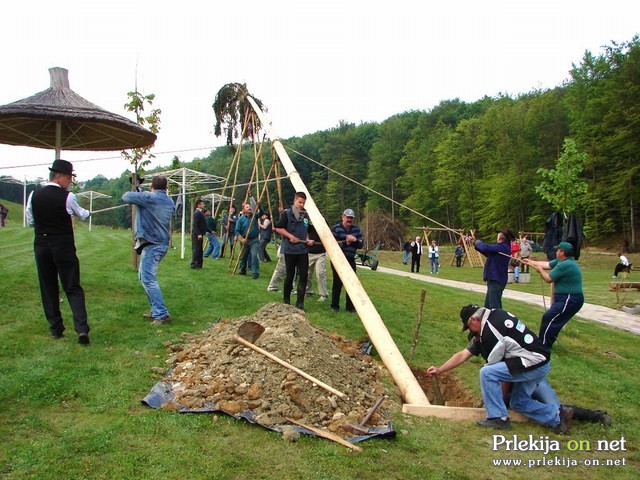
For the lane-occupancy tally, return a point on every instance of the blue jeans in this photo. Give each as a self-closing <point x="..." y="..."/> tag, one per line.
<point x="250" y="249"/>
<point x="147" y="270"/>
<point x="524" y="385"/>
<point x="564" y="307"/>
<point x="434" y="265"/>
<point x="493" y="298"/>
<point x="405" y="256"/>
<point x="213" y="247"/>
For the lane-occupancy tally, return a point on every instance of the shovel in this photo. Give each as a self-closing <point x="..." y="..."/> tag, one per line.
<point x="249" y="332"/>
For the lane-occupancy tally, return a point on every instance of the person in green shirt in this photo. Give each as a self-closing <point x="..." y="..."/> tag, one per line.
<point x="568" y="296"/>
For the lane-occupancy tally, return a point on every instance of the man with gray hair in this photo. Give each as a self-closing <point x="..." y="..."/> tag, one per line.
<point x="152" y="234"/>
<point x="513" y="354"/>
<point x="49" y="210"/>
<point x="349" y="237"/>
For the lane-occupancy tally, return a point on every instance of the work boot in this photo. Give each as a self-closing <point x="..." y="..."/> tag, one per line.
<point x="593" y="416"/>
<point x="496" y="423"/>
<point x="566" y="416"/>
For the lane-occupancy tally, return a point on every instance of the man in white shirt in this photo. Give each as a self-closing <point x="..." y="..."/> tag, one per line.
<point x="622" y="266"/>
<point x="49" y="210"/>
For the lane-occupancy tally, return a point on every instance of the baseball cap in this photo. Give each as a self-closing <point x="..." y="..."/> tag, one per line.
<point x="349" y="213"/>
<point x="566" y="247"/>
<point x="466" y="313"/>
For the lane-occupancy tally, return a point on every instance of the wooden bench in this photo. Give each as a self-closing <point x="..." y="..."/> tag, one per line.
<point x="618" y="286"/>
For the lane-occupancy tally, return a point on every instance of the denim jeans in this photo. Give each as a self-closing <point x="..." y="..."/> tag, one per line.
<point x="213" y="248"/>
<point x="524" y="385"/>
<point x="435" y="263"/>
<point x="249" y="257"/>
<point x="493" y="298"/>
<point x="149" y="261"/>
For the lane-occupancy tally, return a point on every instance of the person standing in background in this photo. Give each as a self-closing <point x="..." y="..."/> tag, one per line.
<point x="416" y="254"/>
<point x="434" y="257"/>
<point x="265" y="236"/>
<point x="213" y="248"/>
<point x="198" y="231"/>
<point x="4" y="211"/>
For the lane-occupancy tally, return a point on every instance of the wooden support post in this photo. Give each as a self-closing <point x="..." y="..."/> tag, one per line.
<point x="418" y="322"/>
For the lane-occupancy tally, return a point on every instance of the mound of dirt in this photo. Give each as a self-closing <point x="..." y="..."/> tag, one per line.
<point x="213" y="368"/>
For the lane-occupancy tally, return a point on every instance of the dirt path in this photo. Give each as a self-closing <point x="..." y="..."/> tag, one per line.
<point x="596" y="313"/>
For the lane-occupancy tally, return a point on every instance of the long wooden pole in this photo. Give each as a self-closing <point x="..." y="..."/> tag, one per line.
<point x="376" y="329"/>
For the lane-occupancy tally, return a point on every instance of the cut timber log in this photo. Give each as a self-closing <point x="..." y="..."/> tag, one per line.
<point x="455" y="413"/>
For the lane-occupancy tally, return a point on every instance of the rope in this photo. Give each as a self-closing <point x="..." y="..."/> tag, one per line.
<point x="371" y="190"/>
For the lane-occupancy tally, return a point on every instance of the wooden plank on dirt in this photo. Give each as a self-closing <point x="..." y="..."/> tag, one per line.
<point x="454" y="413"/>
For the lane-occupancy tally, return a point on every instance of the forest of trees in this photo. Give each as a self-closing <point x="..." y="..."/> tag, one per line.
<point x="472" y="165"/>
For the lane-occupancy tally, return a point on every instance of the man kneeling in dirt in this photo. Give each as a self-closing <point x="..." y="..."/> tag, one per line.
<point x="513" y="354"/>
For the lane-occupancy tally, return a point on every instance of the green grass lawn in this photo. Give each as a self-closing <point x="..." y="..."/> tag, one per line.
<point x="72" y="412"/>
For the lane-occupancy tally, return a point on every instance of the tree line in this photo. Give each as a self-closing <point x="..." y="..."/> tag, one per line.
<point x="471" y="164"/>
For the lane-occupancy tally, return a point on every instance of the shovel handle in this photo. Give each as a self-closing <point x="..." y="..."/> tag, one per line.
<point x="290" y="367"/>
<point x="327" y="435"/>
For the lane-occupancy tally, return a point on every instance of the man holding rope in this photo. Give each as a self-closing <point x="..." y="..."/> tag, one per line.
<point x="152" y="234"/>
<point x="497" y="266"/>
<point x="568" y="297"/>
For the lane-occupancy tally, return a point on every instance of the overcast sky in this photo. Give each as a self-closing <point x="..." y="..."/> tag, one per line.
<point x="312" y="63"/>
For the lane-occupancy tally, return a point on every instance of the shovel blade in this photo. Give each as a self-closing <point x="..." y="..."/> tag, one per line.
<point x="250" y="331"/>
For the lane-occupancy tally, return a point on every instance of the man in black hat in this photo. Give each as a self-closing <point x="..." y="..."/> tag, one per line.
<point x="49" y="210"/>
<point x="496" y="268"/>
<point x="513" y="354"/>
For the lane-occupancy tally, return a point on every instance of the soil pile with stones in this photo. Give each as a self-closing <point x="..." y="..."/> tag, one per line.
<point x="213" y="368"/>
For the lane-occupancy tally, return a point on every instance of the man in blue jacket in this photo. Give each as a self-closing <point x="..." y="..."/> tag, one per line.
<point x="349" y="237"/>
<point x="152" y="234"/>
<point x="496" y="267"/>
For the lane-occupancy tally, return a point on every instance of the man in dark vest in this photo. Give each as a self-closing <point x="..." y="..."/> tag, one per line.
<point x="49" y="210"/>
<point x="198" y="231"/>
<point x="293" y="226"/>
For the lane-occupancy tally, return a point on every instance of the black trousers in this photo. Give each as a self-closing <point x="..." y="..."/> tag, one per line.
<point x="301" y="264"/>
<point x="196" y="251"/>
<point x="415" y="262"/>
<point x="336" y="288"/>
<point x="56" y="258"/>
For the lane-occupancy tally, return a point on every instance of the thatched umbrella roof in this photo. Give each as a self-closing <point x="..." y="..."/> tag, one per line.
<point x="60" y="119"/>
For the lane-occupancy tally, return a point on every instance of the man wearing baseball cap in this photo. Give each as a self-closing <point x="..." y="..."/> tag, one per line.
<point x="349" y="237"/>
<point x="568" y="296"/>
<point x="513" y="354"/>
<point x="49" y="210"/>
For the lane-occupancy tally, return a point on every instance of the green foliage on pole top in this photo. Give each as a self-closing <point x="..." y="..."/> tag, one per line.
<point x="232" y="109"/>
<point x="564" y="188"/>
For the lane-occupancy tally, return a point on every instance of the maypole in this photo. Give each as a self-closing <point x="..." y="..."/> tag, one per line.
<point x="378" y="334"/>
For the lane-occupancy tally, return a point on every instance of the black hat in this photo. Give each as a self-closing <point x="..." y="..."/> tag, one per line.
<point x="508" y="234"/>
<point x="62" y="166"/>
<point x="466" y="313"/>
